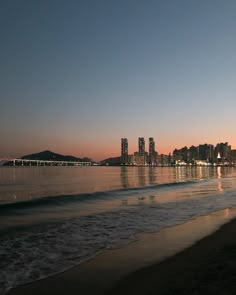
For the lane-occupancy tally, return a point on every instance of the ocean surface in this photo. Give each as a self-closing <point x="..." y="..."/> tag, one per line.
<point x="54" y="218"/>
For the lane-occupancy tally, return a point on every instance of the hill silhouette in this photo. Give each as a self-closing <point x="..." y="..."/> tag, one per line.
<point x="51" y="156"/>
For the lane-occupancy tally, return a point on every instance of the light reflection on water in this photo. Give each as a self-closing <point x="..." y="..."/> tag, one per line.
<point x="219" y="179"/>
<point x="76" y="225"/>
<point x="27" y="183"/>
<point x="22" y="183"/>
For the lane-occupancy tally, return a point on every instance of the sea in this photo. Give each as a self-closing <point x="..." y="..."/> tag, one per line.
<point x="54" y="218"/>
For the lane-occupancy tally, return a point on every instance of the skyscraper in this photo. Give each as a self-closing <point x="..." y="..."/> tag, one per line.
<point x="141" y="155"/>
<point x="224" y="149"/>
<point x="141" y="146"/>
<point x="124" y="150"/>
<point x="151" y="151"/>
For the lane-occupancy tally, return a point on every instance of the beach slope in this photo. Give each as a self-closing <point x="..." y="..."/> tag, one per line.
<point x="208" y="267"/>
<point x="150" y="265"/>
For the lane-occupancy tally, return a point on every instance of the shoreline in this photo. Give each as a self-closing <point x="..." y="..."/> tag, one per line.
<point x="206" y="267"/>
<point x="149" y="262"/>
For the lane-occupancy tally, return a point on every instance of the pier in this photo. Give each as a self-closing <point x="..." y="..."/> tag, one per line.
<point x="27" y="162"/>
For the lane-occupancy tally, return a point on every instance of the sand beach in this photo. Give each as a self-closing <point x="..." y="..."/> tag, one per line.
<point x="185" y="259"/>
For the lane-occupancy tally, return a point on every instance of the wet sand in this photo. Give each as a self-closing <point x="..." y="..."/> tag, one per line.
<point x="151" y="266"/>
<point x="208" y="267"/>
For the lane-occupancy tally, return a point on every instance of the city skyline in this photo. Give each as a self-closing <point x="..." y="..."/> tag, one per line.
<point x="201" y="154"/>
<point x="77" y="75"/>
<point x="149" y="150"/>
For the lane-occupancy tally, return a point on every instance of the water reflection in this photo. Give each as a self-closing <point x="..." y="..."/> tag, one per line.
<point x="227" y="212"/>
<point x="141" y="176"/>
<point x="219" y="179"/>
<point x="25" y="183"/>
<point x="180" y="173"/>
<point x="187" y="173"/>
<point x="152" y="176"/>
<point x="124" y="177"/>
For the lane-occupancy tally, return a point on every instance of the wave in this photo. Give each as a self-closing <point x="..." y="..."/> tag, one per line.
<point x="61" y="200"/>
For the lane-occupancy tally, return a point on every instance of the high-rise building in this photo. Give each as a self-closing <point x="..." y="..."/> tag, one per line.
<point x="151" y="151"/>
<point x="141" y="146"/>
<point x="224" y="149"/>
<point x="124" y="150"/>
<point x="193" y="153"/>
<point x="141" y="156"/>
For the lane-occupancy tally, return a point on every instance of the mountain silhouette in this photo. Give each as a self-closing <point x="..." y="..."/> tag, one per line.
<point x="51" y="156"/>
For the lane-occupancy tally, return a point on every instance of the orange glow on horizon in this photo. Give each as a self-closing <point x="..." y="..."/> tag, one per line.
<point x="98" y="151"/>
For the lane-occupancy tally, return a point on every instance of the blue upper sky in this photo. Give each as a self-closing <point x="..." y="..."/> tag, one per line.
<point x="76" y="76"/>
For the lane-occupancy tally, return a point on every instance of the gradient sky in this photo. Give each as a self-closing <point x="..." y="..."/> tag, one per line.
<point x="76" y="76"/>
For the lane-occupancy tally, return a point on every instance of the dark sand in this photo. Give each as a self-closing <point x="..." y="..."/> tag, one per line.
<point x="207" y="267"/>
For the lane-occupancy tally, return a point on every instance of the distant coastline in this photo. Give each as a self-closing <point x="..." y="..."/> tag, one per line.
<point x="48" y="158"/>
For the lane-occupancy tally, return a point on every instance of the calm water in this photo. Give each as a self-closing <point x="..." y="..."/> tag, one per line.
<point x="53" y="218"/>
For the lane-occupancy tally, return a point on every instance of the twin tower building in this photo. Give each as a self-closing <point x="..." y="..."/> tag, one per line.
<point x="141" y="158"/>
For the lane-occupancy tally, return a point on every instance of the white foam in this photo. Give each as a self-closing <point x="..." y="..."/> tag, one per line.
<point x="49" y="249"/>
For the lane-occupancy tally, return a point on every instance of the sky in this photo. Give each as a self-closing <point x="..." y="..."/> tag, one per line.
<point x="78" y="75"/>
